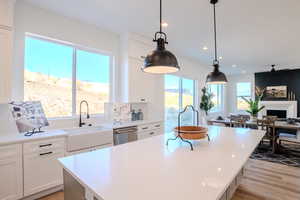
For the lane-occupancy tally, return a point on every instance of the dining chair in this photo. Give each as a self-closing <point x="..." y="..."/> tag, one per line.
<point x="268" y="125"/>
<point x="288" y="138"/>
<point x="237" y="121"/>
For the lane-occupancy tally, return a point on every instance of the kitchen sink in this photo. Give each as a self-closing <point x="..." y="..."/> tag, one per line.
<point x="84" y="129"/>
<point x="81" y="138"/>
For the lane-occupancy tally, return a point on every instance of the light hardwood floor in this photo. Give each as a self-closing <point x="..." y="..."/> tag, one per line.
<point x="262" y="181"/>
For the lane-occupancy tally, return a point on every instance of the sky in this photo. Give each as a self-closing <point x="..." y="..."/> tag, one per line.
<point x="57" y="60"/>
<point x="244" y="89"/>
<point x="172" y="84"/>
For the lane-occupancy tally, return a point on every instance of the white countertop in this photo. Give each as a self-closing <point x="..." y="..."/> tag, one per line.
<point x="14" y="138"/>
<point x="148" y="169"/>
<point x="133" y="123"/>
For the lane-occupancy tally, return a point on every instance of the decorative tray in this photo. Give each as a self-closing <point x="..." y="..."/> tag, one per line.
<point x="191" y="132"/>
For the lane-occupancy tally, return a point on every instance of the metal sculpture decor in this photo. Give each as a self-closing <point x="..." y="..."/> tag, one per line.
<point x="185" y="133"/>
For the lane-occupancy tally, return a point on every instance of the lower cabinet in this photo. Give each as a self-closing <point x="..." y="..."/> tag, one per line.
<point x="149" y="130"/>
<point x="147" y="134"/>
<point x="11" y="182"/>
<point x="233" y="187"/>
<point x="42" y="170"/>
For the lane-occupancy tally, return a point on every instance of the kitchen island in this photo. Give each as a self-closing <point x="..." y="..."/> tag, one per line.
<point x="148" y="169"/>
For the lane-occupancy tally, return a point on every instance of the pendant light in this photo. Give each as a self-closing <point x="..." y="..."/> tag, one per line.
<point x="216" y="77"/>
<point x="160" y="61"/>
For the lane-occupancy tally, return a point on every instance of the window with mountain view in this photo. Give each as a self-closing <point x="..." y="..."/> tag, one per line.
<point x="179" y="92"/>
<point x="61" y="75"/>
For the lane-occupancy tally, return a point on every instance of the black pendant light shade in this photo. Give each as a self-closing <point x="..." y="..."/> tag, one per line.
<point x="160" y="61"/>
<point x="216" y="77"/>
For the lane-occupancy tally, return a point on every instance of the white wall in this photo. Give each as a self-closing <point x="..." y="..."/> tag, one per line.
<point x="231" y="100"/>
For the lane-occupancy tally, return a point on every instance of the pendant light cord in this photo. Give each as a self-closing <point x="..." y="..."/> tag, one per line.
<point x="160" y="18"/>
<point x="215" y="34"/>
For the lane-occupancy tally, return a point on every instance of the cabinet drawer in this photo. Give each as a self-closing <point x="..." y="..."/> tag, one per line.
<point x="148" y="134"/>
<point x="148" y="127"/>
<point x="156" y="125"/>
<point x="10" y="151"/>
<point x="145" y="127"/>
<point x="44" y="145"/>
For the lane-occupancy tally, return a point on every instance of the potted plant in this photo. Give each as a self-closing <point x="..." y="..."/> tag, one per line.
<point x="254" y="107"/>
<point x="206" y="103"/>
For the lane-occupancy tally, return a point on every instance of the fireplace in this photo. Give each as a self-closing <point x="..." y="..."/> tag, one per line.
<point x="279" y="113"/>
<point x="290" y="108"/>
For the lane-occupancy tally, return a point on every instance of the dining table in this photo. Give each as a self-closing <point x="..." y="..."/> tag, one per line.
<point x="279" y="124"/>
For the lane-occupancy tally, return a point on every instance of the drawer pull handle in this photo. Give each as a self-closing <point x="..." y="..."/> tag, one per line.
<point x="151" y="133"/>
<point x="45" y="145"/>
<point x="145" y="128"/>
<point x="43" y="154"/>
<point x="157" y="126"/>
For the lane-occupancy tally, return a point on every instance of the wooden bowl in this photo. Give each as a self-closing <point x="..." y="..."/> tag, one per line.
<point x="192" y="132"/>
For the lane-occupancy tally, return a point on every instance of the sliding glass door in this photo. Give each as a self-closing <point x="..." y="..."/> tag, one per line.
<point x="179" y="92"/>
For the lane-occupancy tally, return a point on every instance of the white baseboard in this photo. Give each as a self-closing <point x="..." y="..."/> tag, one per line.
<point x="44" y="193"/>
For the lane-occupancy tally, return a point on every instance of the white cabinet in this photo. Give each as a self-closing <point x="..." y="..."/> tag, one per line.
<point x="11" y="182"/>
<point x="5" y="64"/>
<point x="41" y="168"/>
<point x="141" y="85"/>
<point x="148" y="134"/>
<point x="149" y="130"/>
<point x="233" y="187"/>
<point x="6" y="41"/>
<point x="6" y="13"/>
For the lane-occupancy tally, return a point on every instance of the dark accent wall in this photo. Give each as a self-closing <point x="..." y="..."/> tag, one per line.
<point x="290" y="78"/>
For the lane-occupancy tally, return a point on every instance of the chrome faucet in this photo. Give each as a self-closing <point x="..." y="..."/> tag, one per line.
<point x="81" y="123"/>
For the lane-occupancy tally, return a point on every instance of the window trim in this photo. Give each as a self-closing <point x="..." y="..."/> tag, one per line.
<point x="76" y="47"/>
<point x="237" y="96"/>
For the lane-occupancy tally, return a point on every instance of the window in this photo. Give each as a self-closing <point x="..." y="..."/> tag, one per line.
<point x="243" y="90"/>
<point x="179" y="92"/>
<point x="92" y="80"/>
<point x="217" y="91"/>
<point x="61" y="75"/>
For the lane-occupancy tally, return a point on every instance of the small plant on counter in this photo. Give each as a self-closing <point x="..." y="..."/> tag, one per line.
<point x="206" y="100"/>
<point x="254" y="107"/>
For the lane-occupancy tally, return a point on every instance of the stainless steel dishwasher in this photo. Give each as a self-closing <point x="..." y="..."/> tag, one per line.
<point x="124" y="135"/>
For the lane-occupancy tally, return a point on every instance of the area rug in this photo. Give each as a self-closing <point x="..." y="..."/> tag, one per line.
<point x="289" y="154"/>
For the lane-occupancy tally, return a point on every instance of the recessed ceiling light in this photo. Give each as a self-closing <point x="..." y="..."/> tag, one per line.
<point x="205" y="48"/>
<point x="234" y="66"/>
<point x="164" y="24"/>
<point x="220" y="57"/>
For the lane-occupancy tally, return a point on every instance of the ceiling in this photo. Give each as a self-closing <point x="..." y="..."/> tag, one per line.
<point x="252" y="34"/>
